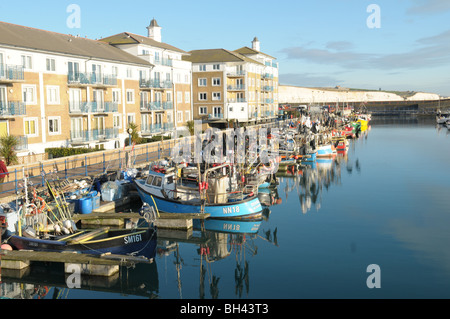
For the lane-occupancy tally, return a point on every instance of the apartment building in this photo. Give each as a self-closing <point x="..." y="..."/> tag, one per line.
<point x="165" y="91"/>
<point x="240" y="85"/>
<point x="62" y="90"/>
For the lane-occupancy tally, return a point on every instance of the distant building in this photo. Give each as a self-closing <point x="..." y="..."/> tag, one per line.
<point x="240" y="85"/>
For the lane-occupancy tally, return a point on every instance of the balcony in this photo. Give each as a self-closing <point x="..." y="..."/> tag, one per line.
<point x="168" y="105"/>
<point x="236" y="74"/>
<point x="93" y="107"/>
<point x="168" y="127"/>
<point x="267" y="76"/>
<point x="81" y="137"/>
<point x="236" y="87"/>
<point x="215" y="116"/>
<point x="11" y="73"/>
<point x="267" y="88"/>
<point x="94" y="79"/>
<point x="267" y="101"/>
<point x="22" y="143"/>
<point x="147" y="129"/>
<point x="163" y="61"/>
<point x="237" y="100"/>
<point x="11" y="109"/>
<point x="155" y="84"/>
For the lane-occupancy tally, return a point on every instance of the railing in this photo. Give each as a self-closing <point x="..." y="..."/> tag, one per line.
<point x="12" y="108"/>
<point x="22" y="143"/>
<point x="267" y="76"/>
<point x="237" y="100"/>
<point x="93" y="107"/>
<point x="236" y="73"/>
<point x="163" y="61"/>
<point x="267" y="101"/>
<point x="236" y="87"/>
<point x="93" y="135"/>
<point x="168" y="105"/>
<point x="168" y="126"/>
<point x="11" y="72"/>
<point x="91" y="79"/>
<point x="155" y="84"/>
<point x="216" y="116"/>
<point x="91" y="164"/>
<point x="151" y="128"/>
<point x="267" y="88"/>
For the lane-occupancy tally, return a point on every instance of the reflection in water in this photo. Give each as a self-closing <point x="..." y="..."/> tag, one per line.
<point x="49" y="281"/>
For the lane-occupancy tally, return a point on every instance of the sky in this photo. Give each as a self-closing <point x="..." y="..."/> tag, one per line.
<point x="396" y="45"/>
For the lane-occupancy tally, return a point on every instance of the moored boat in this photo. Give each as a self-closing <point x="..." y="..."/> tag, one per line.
<point x="136" y="242"/>
<point x="207" y="193"/>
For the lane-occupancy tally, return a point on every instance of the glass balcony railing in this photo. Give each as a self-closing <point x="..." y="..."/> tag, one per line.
<point x="236" y="73"/>
<point x="11" y="72"/>
<point x="236" y="87"/>
<point x="216" y="116"/>
<point x="93" y="107"/>
<point x="155" y="84"/>
<point x="94" y="135"/>
<point x="12" y="108"/>
<point x="22" y="143"/>
<point x="91" y="79"/>
<point x="168" y="105"/>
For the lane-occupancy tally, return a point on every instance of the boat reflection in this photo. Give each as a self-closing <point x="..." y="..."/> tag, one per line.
<point x="48" y="281"/>
<point x="311" y="179"/>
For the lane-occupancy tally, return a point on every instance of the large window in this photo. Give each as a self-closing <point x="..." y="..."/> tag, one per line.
<point x="29" y="94"/>
<point x="54" y="125"/>
<point x="53" y="96"/>
<point x="50" y="65"/>
<point x="27" y="62"/>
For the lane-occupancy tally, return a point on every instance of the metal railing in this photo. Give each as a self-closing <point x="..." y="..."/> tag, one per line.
<point x="91" y="79"/>
<point x="11" y="72"/>
<point x="12" y="108"/>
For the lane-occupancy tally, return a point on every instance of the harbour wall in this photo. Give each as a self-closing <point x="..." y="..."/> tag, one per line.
<point x="376" y="102"/>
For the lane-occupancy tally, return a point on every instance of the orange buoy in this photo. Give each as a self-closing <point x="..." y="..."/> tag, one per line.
<point x="6" y="247"/>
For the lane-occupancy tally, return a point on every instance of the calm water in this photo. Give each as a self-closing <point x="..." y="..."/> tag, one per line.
<point x="385" y="202"/>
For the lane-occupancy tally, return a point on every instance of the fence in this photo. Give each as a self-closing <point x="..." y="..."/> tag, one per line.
<point x="91" y="164"/>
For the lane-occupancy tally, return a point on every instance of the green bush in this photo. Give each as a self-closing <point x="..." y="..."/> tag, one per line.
<point x="57" y="152"/>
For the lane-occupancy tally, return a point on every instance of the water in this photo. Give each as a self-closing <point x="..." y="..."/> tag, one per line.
<point x="386" y="203"/>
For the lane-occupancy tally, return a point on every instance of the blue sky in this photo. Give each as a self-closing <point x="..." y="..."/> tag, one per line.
<point x="321" y="43"/>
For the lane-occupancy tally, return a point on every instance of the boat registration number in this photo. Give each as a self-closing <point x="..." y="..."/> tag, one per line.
<point x="132" y="239"/>
<point x="231" y="210"/>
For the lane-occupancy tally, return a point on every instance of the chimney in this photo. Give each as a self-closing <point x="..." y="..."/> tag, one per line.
<point x="154" y="31"/>
<point x="256" y="45"/>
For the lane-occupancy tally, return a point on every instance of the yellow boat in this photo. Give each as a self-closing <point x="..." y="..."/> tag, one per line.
<point x="364" y="124"/>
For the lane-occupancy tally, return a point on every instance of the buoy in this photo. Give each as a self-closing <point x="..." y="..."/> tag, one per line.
<point x="6" y="247"/>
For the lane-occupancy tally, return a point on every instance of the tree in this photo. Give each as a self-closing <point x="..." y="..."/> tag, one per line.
<point x="8" y="144"/>
<point x="191" y="127"/>
<point x="134" y="134"/>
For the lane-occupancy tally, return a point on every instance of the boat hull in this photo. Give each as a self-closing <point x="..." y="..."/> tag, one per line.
<point x="244" y="209"/>
<point x="324" y="151"/>
<point x="120" y="242"/>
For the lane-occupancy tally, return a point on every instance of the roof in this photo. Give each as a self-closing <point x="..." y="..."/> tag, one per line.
<point x="35" y="39"/>
<point x="153" y="23"/>
<point x="131" y="38"/>
<point x="250" y="51"/>
<point x="217" y="55"/>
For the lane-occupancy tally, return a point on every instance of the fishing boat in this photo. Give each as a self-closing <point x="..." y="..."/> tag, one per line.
<point x="324" y="151"/>
<point x="442" y="118"/>
<point x="216" y="192"/>
<point x="136" y="242"/>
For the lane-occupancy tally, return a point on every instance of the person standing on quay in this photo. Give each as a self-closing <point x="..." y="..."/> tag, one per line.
<point x="3" y="172"/>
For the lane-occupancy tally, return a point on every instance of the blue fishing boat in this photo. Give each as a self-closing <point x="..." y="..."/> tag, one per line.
<point x="174" y="191"/>
<point x="324" y="151"/>
<point x="135" y="242"/>
<point x="310" y="157"/>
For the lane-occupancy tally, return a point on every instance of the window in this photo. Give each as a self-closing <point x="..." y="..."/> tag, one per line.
<point x="216" y="66"/>
<point x="203" y="110"/>
<point x="157" y="56"/>
<point x="129" y="73"/>
<point x="27" y="62"/>
<point x="202" y="67"/>
<point x="131" y="118"/>
<point x="216" y="81"/>
<point x="117" y="121"/>
<point x="51" y="65"/>
<point x="116" y="96"/>
<point x="179" y="97"/>
<point x="53" y="95"/>
<point x="202" y="82"/>
<point x="180" y="116"/>
<point x="203" y="96"/>
<point x="29" y="94"/>
<point x="150" y="179"/>
<point x="130" y="96"/>
<point x="115" y="71"/>
<point x="187" y="97"/>
<point x="216" y="96"/>
<point x="54" y="125"/>
<point x="157" y="181"/>
<point x="31" y="128"/>
<point x="187" y="115"/>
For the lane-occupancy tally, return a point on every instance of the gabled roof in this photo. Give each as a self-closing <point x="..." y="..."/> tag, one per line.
<point x="17" y="36"/>
<point x="131" y="38"/>
<point x="250" y="51"/>
<point x="217" y="55"/>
